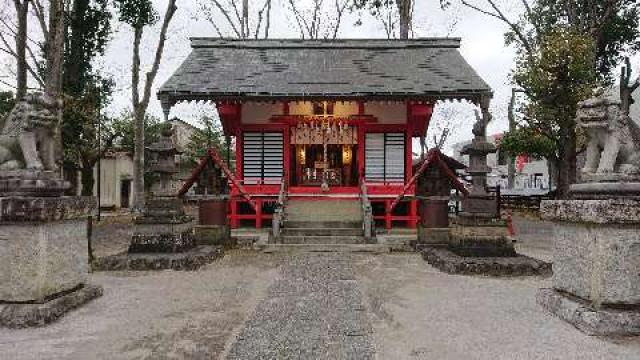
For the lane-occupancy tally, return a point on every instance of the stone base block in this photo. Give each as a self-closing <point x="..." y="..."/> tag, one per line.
<point x="189" y="260"/>
<point x="162" y="238"/>
<point x="433" y="236"/>
<point x="452" y="263"/>
<point x="42" y="259"/>
<point x="597" y="249"/>
<point x="214" y="235"/>
<point x="32" y="183"/>
<point x="32" y="315"/>
<point x="600" y="322"/>
<point x="479" y="236"/>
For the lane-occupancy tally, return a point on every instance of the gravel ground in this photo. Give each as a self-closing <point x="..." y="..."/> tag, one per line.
<point x="252" y="305"/>
<point x="418" y="312"/>
<point x="159" y="315"/>
<point x="534" y="237"/>
<point x="314" y="311"/>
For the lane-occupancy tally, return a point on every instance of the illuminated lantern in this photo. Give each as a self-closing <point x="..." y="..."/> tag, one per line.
<point x="347" y="156"/>
<point x="302" y="155"/>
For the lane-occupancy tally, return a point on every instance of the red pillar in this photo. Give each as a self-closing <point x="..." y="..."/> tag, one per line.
<point x="258" y="213"/>
<point x="287" y="154"/>
<point x="234" y="214"/>
<point x="413" y="214"/>
<point x="361" y="141"/>
<point x="388" y="216"/>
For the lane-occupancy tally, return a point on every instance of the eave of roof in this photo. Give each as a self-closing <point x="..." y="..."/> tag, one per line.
<point x="232" y="70"/>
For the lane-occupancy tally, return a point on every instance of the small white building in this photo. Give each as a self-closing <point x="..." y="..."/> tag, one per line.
<point x="116" y="178"/>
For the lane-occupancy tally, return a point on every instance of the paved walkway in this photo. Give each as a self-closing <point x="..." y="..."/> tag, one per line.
<point x="314" y="311"/>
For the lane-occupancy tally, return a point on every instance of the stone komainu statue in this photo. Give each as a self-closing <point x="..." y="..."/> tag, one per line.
<point x="28" y="137"/>
<point x="614" y="138"/>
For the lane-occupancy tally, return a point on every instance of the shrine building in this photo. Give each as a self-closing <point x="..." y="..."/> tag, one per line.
<point x="324" y="117"/>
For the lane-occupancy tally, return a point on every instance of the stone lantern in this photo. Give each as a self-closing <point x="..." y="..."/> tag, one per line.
<point x="479" y="230"/>
<point x="479" y="241"/>
<point x="164" y="227"/>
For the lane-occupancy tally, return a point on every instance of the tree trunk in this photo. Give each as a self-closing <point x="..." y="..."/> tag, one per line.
<point x="405" y="12"/>
<point x="87" y="178"/>
<point x="567" y="161"/>
<point x="245" y="19"/>
<point x="22" y="9"/>
<point x="55" y="49"/>
<point x="140" y="105"/>
<point x="552" y="168"/>
<point x="138" y="123"/>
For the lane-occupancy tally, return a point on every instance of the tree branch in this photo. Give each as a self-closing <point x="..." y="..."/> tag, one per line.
<point x="226" y="15"/>
<point x="498" y="14"/>
<point x="38" y="11"/>
<point x="171" y="10"/>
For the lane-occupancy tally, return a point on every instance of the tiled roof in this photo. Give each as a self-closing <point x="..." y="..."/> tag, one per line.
<point x="225" y="69"/>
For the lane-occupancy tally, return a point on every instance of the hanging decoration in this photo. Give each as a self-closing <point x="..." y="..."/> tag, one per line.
<point x="324" y="130"/>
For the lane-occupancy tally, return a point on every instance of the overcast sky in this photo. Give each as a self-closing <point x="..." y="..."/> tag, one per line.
<point x="482" y="46"/>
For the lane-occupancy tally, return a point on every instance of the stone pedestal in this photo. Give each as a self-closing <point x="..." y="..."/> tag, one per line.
<point x="43" y="258"/>
<point x="480" y="236"/>
<point x="164" y="228"/>
<point x="43" y="246"/>
<point x="596" y="264"/>
<point x="219" y="235"/>
<point x="428" y="236"/>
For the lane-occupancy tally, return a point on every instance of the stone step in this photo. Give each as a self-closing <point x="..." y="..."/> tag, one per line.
<point x="323" y="210"/>
<point x="321" y="240"/>
<point x="322" y="231"/>
<point x="288" y="223"/>
<point x="354" y="248"/>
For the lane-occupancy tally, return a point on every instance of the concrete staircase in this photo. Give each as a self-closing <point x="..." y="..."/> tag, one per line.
<point x="323" y="226"/>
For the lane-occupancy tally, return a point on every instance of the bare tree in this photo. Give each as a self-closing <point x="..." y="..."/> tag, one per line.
<point x="448" y="118"/>
<point x="238" y="19"/>
<point x="23" y="53"/>
<point x="310" y="19"/>
<point x="138" y="14"/>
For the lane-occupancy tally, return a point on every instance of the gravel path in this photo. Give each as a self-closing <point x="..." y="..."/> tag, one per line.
<point x="313" y="311"/>
<point x="419" y="313"/>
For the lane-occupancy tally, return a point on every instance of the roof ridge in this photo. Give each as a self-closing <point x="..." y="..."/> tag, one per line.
<point x="441" y="42"/>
